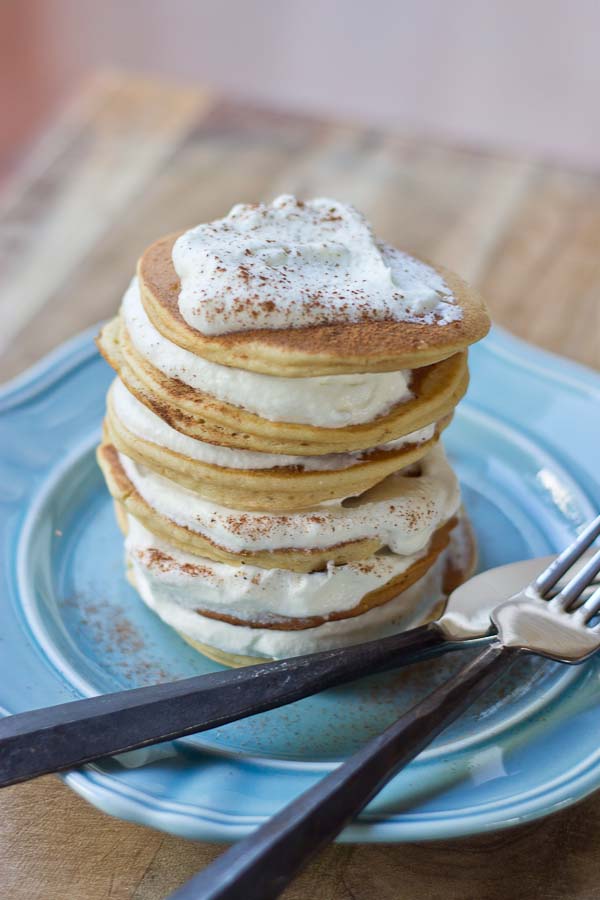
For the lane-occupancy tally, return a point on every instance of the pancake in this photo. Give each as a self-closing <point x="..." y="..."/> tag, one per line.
<point x="436" y="389"/>
<point x="384" y="612"/>
<point x="458" y="567"/>
<point x="278" y="488"/>
<point x="401" y="514"/>
<point x="331" y="401"/>
<point x="331" y="349"/>
<point x="274" y="599"/>
<point x="232" y="660"/>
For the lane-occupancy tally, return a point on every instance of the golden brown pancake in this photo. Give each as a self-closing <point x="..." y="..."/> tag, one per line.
<point x="436" y="388"/>
<point x="316" y="350"/>
<point x="183" y="538"/>
<point x="458" y="570"/>
<point x="282" y="488"/>
<point x="377" y="597"/>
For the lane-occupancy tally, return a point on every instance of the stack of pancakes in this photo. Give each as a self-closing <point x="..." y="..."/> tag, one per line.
<point x="283" y="489"/>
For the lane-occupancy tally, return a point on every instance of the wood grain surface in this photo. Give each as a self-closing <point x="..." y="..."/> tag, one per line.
<point x="132" y="159"/>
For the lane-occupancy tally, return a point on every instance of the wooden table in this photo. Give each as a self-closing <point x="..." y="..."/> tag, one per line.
<point x="131" y="160"/>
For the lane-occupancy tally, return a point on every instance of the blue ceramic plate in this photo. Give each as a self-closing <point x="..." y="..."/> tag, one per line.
<point x="525" y="443"/>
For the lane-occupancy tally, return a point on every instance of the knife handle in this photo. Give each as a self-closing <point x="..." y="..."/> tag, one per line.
<point x="260" y="866"/>
<point x="60" y="737"/>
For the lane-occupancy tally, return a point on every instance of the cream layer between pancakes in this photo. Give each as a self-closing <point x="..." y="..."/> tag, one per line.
<point x="401" y="512"/>
<point x="174" y="584"/>
<point x="333" y="401"/>
<point x="145" y="424"/>
<point x="247" y="591"/>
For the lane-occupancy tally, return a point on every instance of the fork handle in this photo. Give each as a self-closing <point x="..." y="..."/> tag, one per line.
<point x="260" y="867"/>
<point x="60" y="737"/>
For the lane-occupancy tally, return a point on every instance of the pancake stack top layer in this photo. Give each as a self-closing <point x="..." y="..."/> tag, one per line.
<point x="272" y="437"/>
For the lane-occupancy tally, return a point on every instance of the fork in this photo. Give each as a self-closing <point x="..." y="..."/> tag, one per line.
<point x="560" y="628"/>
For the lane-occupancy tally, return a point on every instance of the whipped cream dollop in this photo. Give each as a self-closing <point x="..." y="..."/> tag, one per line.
<point x="145" y="424"/>
<point x="175" y="585"/>
<point x="330" y="401"/>
<point x="402" y="512"/>
<point x="290" y="264"/>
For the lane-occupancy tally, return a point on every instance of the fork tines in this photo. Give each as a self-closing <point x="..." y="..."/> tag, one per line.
<point x="570" y="593"/>
<point x="555" y="571"/>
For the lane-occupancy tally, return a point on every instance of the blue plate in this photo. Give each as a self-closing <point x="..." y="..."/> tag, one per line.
<point x="525" y="443"/>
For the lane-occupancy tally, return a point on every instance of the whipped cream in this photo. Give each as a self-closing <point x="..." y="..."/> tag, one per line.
<point x="145" y="424"/>
<point x="291" y="264"/>
<point x="248" y="592"/>
<point x="175" y="592"/>
<point x="330" y="401"/>
<point x="401" y="512"/>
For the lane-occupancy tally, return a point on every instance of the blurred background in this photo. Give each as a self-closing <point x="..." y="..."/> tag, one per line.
<point x="516" y="75"/>
<point x="467" y="132"/>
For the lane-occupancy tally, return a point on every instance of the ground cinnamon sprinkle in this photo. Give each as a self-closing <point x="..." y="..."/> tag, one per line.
<point x="115" y="638"/>
<point x="162" y="562"/>
<point x="243" y="273"/>
<point x="374" y="339"/>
